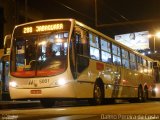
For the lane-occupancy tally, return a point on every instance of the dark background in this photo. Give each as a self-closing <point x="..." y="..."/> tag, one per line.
<point x="113" y="16"/>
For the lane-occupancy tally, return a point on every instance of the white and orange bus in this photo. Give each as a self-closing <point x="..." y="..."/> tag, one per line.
<point x="5" y="68"/>
<point x="65" y="59"/>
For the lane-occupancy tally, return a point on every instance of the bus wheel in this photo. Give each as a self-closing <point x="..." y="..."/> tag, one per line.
<point x="98" y="94"/>
<point x="140" y="94"/>
<point x="47" y="103"/>
<point x="145" y="96"/>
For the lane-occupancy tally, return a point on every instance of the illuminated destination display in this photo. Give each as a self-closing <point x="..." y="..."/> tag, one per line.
<point x="27" y="30"/>
<point x="43" y="28"/>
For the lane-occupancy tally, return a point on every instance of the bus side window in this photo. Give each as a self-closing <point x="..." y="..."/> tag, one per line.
<point x="105" y="50"/>
<point x="133" y="61"/>
<point x="125" y="59"/>
<point x="145" y="66"/>
<point x="139" y="62"/>
<point x="116" y="55"/>
<point x="149" y="67"/>
<point x="94" y="46"/>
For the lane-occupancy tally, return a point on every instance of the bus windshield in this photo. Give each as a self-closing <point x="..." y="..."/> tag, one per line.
<point x="39" y="55"/>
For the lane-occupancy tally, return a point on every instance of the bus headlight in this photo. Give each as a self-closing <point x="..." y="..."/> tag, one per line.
<point x="61" y="82"/>
<point x="156" y="89"/>
<point x="13" y="84"/>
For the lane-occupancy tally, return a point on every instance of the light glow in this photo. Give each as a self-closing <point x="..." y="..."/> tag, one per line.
<point x="149" y="36"/>
<point x="59" y="40"/>
<point x="61" y="82"/>
<point x="109" y="86"/>
<point x="145" y="70"/>
<point x="158" y="34"/>
<point x="156" y="89"/>
<point x="42" y="43"/>
<point x="13" y="84"/>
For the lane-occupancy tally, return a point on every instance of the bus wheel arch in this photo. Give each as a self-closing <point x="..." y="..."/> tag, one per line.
<point x="98" y="93"/>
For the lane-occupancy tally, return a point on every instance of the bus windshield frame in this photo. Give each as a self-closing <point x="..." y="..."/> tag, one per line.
<point x="40" y="54"/>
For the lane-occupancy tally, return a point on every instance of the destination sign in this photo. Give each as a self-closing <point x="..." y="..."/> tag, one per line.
<point x="42" y="28"/>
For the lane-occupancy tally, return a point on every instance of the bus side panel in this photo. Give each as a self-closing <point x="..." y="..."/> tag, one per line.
<point x="84" y="85"/>
<point x="104" y="72"/>
<point x="128" y="84"/>
<point x="84" y="89"/>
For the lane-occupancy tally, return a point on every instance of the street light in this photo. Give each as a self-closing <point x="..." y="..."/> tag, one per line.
<point x="154" y="39"/>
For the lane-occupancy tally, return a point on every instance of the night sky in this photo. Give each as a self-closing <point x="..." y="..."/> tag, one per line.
<point x="146" y="13"/>
<point x="109" y="12"/>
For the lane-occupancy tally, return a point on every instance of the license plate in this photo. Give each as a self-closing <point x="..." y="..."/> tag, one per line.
<point x="36" y="91"/>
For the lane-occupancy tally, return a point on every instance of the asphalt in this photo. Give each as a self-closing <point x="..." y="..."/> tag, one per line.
<point x="18" y="104"/>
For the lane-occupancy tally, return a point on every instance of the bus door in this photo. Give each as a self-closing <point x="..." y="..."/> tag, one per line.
<point x="82" y="53"/>
<point x="82" y="62"/>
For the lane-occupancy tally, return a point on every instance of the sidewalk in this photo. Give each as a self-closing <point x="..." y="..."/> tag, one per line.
<point x="18" y="104"/>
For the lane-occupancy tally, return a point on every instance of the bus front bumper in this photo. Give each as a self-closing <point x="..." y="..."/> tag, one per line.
<point x="64" y="91"/>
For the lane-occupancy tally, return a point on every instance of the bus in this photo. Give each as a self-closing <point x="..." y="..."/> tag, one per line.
<point x="66" y="59"/>
<point x="156" y="88"/>
<point x="5" y="68"/>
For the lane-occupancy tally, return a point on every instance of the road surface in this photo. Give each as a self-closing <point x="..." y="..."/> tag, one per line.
<point x="127" y="111"/>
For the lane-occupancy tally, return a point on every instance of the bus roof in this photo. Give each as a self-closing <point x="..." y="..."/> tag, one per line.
<point x="47" y="20"/>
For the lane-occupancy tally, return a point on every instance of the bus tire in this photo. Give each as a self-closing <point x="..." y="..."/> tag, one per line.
<point x="98" y="94"/>
<point x="47" y="103"/>
<point x="140" y="94"/>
